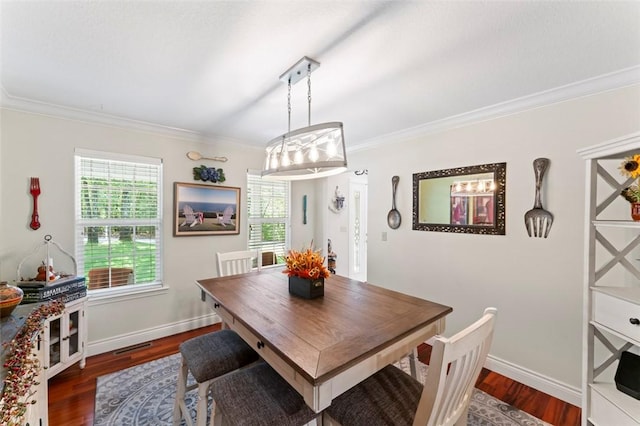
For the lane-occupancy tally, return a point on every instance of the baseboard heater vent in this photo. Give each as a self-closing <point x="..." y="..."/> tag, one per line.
<point x="132" y="348"/>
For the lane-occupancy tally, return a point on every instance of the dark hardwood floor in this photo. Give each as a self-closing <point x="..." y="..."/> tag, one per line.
<point x="72" y="392"/>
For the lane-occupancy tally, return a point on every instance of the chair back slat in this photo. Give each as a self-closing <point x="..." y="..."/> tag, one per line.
<point x="236" y="262"/>
<point x="454" y="367"/>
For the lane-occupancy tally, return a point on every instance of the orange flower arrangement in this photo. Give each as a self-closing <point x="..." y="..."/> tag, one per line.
<point x="306" y="264"/>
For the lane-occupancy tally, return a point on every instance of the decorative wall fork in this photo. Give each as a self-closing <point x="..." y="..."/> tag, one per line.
<point x="538" y="221"/>
<point x="34" y="189"/>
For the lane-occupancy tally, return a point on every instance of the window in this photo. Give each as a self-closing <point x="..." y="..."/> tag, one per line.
<point x="118" y="220"/>
<point x="268" y="216"/>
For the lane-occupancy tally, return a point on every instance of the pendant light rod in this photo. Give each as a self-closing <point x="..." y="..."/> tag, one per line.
<point x="309" y="92"/>
<point x="289" y="105"/>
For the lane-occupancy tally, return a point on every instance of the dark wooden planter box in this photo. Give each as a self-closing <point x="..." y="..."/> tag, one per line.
<point x="309" y="289"/>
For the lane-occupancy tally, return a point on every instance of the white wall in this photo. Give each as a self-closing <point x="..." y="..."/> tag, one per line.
<point x="37" y="145"/>
<point x="302" y="235"/>
<point x="535" y="283"/>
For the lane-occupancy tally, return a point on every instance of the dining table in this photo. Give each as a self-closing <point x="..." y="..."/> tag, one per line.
<point x="323" y="346"/>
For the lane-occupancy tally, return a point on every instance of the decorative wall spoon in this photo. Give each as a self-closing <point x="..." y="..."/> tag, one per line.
<point x="195" y="156"/>
<point x="394" y="218"/>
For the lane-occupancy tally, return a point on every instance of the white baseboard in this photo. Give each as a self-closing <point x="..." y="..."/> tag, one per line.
<point x="141" y="336"/>
<point x="535" y="380"/>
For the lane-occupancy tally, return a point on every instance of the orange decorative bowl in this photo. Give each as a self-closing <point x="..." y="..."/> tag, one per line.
<point x="10" y="297"/>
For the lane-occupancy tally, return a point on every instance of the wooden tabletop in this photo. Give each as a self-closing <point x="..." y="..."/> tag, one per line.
<point x="321" y="337"/>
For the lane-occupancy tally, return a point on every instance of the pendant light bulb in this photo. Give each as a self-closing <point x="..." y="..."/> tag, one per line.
<point x="286" y="161"/>
<point x="313" y="154"/>
<point x="274" y="160"/>
<point x="331" y="148"/>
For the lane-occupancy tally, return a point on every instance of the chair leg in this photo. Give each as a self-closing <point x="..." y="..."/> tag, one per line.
<point x="201" y="407"/>
<point x="180" y="392"/>
<point x="413" y="356"/>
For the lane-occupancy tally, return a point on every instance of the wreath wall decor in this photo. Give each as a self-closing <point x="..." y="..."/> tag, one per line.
<point x="208" y="174"/>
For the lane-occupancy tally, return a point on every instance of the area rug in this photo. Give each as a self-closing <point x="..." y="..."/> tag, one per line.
<point x="144" y="395"/>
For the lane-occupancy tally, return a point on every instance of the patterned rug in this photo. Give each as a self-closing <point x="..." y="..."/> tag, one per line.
<point x="143" y="396"/>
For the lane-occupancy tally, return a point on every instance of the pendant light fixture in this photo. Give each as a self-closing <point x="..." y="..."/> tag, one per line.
<point x="309" y="152"/>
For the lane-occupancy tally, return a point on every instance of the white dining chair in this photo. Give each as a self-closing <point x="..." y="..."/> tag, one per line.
<point x="237" y="262"/>
<point x="392" y="397"/>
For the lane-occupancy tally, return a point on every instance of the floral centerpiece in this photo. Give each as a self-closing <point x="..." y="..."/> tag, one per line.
<point x="306" y="264"/>
<point x="306" y="273"/>
<point x="630" y="168"/>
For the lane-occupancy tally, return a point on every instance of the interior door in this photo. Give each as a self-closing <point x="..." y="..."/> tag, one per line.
<point x="358" y="228"/>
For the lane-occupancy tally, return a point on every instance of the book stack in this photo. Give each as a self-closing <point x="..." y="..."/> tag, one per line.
<point x="66" y="289"/>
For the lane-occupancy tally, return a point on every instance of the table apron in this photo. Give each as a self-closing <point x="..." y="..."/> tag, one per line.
<point x="345" y="380"/>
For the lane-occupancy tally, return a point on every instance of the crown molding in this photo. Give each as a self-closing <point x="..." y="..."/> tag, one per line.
<point x="17" y="103"/>
<point x="606" y="82"/>
<point x="611" y="81"/>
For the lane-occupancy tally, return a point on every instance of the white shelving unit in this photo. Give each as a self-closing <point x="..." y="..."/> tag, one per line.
<point x="611" y="285"/>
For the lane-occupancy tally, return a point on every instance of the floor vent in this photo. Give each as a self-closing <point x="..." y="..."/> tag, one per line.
<point x="132" y="348"/>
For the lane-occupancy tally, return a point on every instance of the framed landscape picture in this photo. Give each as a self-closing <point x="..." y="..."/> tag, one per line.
<point x="205" y="209"/>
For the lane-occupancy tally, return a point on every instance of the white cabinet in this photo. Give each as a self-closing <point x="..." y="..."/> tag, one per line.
<point x="611" y="285"/>
<point x="65" y="338"/>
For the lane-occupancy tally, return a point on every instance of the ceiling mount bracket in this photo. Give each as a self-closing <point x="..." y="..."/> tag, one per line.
<point x="299" y="71"/>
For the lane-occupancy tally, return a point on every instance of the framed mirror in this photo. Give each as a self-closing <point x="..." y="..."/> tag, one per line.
<point x="467" y="200"/>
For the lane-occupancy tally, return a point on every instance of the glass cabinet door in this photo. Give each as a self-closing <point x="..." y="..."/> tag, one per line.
<point x="55" y="341"/>
<point x="72" y="341"/>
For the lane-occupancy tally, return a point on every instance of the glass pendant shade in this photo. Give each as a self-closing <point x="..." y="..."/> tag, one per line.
<point x="307" y="153"/>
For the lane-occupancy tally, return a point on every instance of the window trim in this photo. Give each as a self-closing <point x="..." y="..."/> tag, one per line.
<point x="128" y="291"/>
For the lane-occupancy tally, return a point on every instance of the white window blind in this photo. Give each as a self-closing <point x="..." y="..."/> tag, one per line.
<point x="268" y="215"/>
<point x="118" y="219"/>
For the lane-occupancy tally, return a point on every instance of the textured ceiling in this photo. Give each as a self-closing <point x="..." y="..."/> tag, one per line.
<point x="212" y="67"/>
